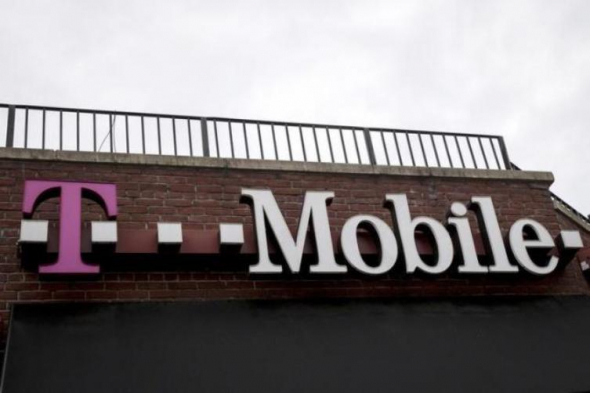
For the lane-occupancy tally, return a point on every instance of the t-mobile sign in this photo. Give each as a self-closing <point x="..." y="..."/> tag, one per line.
<point x="529" y="246"/>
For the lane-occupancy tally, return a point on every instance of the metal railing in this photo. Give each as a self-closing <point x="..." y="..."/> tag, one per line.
<point x="149" y="133"/>
<point x="570" y="209"/>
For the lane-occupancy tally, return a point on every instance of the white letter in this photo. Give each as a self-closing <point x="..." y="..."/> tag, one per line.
<point x="406" y="228"/>
<point x="461" y="225"/>
<point x="492" y="236"/>
<point x="314" y="207"/>
<point x="541" y="244"/>
<point x="350" y="246"/>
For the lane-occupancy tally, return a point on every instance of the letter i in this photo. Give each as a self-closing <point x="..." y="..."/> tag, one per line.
<point x="460" y="224"/>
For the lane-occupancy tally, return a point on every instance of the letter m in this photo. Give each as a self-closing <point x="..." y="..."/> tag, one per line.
<point x="266" y="211"/>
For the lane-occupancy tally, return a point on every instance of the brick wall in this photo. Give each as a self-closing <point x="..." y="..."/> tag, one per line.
<point x="201" y="198"/>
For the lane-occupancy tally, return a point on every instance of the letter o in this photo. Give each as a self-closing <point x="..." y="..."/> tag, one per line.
<point x="350" y="247"/>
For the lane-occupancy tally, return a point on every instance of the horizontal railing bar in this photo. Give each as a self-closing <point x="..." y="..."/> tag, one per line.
<point x="240" y="120"/>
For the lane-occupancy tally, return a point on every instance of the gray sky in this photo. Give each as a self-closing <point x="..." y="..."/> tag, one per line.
<point x="520" y="69"/>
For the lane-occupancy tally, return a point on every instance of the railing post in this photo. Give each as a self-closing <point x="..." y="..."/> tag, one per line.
<point x="369" y="144"/>
<point x="507" y="162"/>
<point x="205" y="137"/>
<point x="10" y="127"/>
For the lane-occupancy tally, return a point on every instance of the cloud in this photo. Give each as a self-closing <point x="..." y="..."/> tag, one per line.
<point x="518" y="69"/>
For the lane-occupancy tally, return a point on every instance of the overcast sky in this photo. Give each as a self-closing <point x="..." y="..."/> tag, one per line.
<point x="520" y="69"/>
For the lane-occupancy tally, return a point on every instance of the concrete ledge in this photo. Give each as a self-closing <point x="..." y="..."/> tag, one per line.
<point x="268" y="165"/>
<point x="569" y="214"/>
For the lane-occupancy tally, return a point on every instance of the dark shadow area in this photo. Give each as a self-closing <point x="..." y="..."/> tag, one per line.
<point x="443" y="345"/>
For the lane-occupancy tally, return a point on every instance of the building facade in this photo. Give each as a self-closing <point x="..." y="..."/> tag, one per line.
<point x="201" y="273"/>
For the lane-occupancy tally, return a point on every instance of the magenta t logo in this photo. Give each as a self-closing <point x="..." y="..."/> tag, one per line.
<point x="69" y="259"/>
